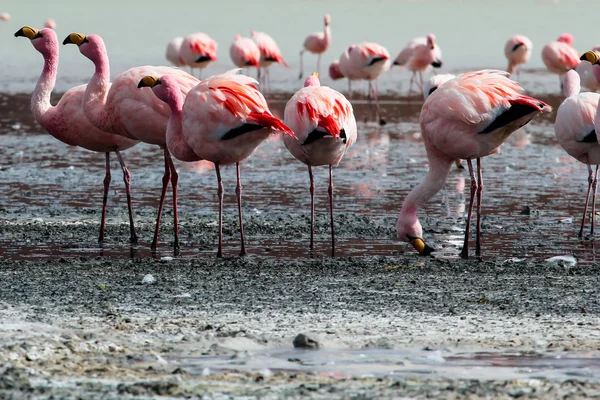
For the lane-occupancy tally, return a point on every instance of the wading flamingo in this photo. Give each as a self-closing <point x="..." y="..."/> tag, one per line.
<point x="317" y="43"/>
<point x="172" y="53"/>
<point x="222" y="120"/>
<point x="517" y="51"/>
<point x="198" y="50"/>
<point x="585" y="69"/>
<point x="468" y="117"/>
<point x="66" y="121"/>
<point x="325" y="128"/>
<point x="269" y="54"/>
<point x="559" y="56"/>
<point x="244" y="52"/>
<point x="575" y="131"/>
<point x="334" y="70"/>
<point x="418" y="55"/>
<point x="120" y="108"/>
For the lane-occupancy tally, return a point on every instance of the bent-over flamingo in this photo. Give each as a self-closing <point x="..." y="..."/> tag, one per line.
<point x="317" y="43"/>
<point x="66" y="121"/>
<point x="517" y="51"/>
<point x="222" y="120"/>
<point x="560" y="56"/>
<point x="244" y="52"/>
<point x="468" y="117"/>
<point x="324" y="124"/>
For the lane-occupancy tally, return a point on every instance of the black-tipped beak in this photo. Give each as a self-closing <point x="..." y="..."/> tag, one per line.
<point x="421" y="246"/>
<point x="67" y="40"/>
<point x="76" y="38"/>
<point x="202" y="59"/>
<point x="19" y="33"/>
<point x="29" y="33"/>
<point x="149" y="81"/>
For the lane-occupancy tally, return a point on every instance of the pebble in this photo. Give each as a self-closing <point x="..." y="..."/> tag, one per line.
<point x="149" y="279"/>
<point x="301" y="341"/>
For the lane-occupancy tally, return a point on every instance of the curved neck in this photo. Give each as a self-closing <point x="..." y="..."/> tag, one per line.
<point x="327" y="33"/>
<point x="94" y="100"/>
<point x="40" y="99"/>
<point x="176" y="143"/>
<point x="511" y="68"/>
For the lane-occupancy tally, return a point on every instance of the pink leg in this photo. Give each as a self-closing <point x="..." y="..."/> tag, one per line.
<point x="107" y="178"/>
<point x="420" y="83"/>
<point x="349" y="90"/>
<point x="412" y="79"/>
<point x="381" y="120"/>
<point x="165" y="181"/>
<point x="127" y="180"/>
<point x="174" y="181"/>
<point x="331" y="210"/>
<point x="594" y="187"/>
<point x="220" y="195"/>
<point x="312" y="208"/>
<point x="238" y="193"/>
<point x="479" y="194"/>
<point x="319" y="64"/>
<point x="301" y="65"/>
<point x="465" y="251"/>
<point x="587" y="198"/>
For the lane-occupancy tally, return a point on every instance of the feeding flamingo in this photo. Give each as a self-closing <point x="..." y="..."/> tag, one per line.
<point x="559" y="56"/>
<point x="117" y="108"/>
<point x="468" y="117"/>
<point x="269" y="54"/>
<point x="324" y="124"/>
<point x="66" y="121"/>
<point x="418" y="55"/>
<point x="575" y="131"/>
<point x="222" y="120"/>
<point x="517" y="51"/>
<point x="198" y="50"/>
<point x="244" y="52"/>
<point x="172" y="52"/>
<point x="317" y="43"/>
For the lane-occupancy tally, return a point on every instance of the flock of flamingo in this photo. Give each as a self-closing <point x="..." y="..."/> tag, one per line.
<point x="224" y="118"/>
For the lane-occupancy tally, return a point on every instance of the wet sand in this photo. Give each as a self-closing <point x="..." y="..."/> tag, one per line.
<point x="77" y="320"/>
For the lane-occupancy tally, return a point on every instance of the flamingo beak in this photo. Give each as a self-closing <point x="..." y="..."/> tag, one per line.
<point x="149" y="81"/>
<point x="315" y="74"/>
<point x="421" y="247"/>
<point x="76" y="38"/>
<point x="28" y="32"/>
<point x="591" y="56"/>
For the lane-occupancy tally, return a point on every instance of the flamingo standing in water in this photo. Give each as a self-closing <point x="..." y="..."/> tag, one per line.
<point x="325" y="128"/>
<point x="418" y="55"/>
<point x="172" y="52"/>
<point x="66" y="121"/>
<point x="269" y="54"/>
<point x="517" y="51"/>
<point x="119" y="108"/>
<point x="560" y="56"/>
<point x="575" y="131"/>
<point x="222" y="120"/>
<point x="468" y="117"/>
<point x="317" y="43"/>
<point x="244" y="52"/>
<point x="198" y="50"/>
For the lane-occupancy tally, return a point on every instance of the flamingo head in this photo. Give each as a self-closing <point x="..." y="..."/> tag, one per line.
<point x="431" y="40"/>
<point x="591" y="56"/>
<point x="327" y="19"/>
<point x="44" y="41"/>
<point x="91" y="46"/>
<point x="312" y="80"/>
<point x="566" y="38"/>
<point x="334" y="71"/>
<point x="165" y="88"/>
<point x="409" y="230"/>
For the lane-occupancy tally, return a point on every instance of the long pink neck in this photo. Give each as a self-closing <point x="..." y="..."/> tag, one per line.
<point x="176" y="143"/>
<point x="439" y="167"/>
<point x="327" y="33"/>
<point x="511" y="67"/>
<point x="94" y="100"/>
<point x="40" y="99"/>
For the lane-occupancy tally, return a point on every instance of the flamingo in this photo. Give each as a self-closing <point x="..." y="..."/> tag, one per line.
<point x="585" y="69"/>
<point x="324" y="124"/>
<point x="222" y="120"/>
<point x="334" y="70"/>
<point x="517" y="51"/>
<point x="317" y="43"/>
<point x="198" y="50"/>
<point x="66" y="122"/>
<point x="468" y="117"/>
<point x="117" y="108"/>
<point x="269" y="53"/>
<point x="559" y="56"/>
<point x="50" y="23"/>
<point x="418" y="55"/>
<point x="593" y="57"/>
<point x="4" y="16"/>
<point x="172" y="53"/>
<point x="244" y="52"/>
<point x="575" y="131"/>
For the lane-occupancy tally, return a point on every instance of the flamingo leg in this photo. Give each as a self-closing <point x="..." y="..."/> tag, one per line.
<point x="107" y="178"/>
<point x="369" y="99"/>
<point x="587" y="198"/>
<point x="174" y="181"/>
<point x="165" y="182"/>
<point x="420" y="82"/>
<point x="412" y="78"/>
<point x="465" y="251"/>
<point x="220" y="195"/>
<point x="238" y="193"/>
<point x="479" y="195"/>
<point x="127" y="181"/>
<point x="312" y="208"/>
<point x="594" y="187"/>
<point x="331" y="210"/>
<point x="349" y="90"/>
<point x="319" y="64"/>
<point x="301" y="64"/>
<point x="381" y="120"/>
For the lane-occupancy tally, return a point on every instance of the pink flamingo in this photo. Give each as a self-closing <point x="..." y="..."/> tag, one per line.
<point x="117" y="108"/>
<point x="269" y="53"/>
<point x="244" y="52"/>
<point x="50" y="23"/>
<point x="560" y="56"/>
<point x="317" y="43"/>
<point x="418" y="55"/>
<point x="517" y="51"/>
<point x="173" y="50"/>
<point x="222" y="120"/>
<point x="4" y="16"/>
<point x="66" y="121"/>
<point x="325" y="128"/>
<point x="593" y="57"/>
<point x="574" y="129"/>
<point x="585" y="69"/>
<point x="334" y="70"/>
<point x="468" y="117"/>
<point x="198" y="50"/>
